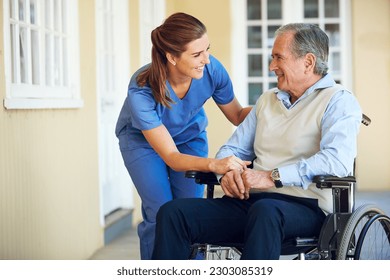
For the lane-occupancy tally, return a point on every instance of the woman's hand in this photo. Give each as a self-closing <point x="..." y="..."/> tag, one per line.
<point x="221" y="166"/>
<point x="162" y="142"/>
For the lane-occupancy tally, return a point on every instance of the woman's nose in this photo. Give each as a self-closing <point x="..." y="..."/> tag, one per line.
<point x="206" y="58"/>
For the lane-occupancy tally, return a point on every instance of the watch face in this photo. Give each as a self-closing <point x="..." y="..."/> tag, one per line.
<point x="275" y="174"/>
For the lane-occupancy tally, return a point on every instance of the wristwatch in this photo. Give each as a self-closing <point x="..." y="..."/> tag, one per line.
<point x="276" y="178"/>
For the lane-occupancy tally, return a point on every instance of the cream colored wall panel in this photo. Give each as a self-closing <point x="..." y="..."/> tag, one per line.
<point x="49" y="201"/>
<point x="371" y="58"/>
<point x="49" y="193"/>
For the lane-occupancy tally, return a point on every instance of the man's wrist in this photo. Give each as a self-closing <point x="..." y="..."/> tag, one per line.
<point x="275" y="176"/>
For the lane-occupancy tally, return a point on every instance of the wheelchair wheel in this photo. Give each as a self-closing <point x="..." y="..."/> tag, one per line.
<point x="366" y="235"/>
<point x="374" y="241"/>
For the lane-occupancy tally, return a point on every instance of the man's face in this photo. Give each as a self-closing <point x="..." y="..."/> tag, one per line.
<point x="290" y="70"/>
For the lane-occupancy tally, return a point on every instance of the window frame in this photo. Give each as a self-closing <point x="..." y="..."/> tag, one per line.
<point x="40" y="95"/>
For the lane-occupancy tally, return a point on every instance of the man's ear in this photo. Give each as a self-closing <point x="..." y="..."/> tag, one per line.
<point x="171" y="59"/>
<point x="310" y="61"/>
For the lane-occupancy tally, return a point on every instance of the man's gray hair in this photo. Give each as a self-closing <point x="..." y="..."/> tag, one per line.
<point x="309" y="38"/>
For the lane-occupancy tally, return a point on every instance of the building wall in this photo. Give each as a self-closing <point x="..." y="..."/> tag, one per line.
<point x="371" y="59"/>
<point x="49" y="191"/>
<point x="134" y="36"/>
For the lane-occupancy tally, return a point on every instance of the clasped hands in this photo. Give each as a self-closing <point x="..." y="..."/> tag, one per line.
<point x="237" y="183"/>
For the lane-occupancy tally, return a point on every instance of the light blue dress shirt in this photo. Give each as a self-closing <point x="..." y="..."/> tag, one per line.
<point x="339" y="127"/>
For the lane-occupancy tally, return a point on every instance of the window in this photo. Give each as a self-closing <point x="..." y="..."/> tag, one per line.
<point x="261" y="18"/>
<point x="42" y="62"/>
<point x="327" y="15"/>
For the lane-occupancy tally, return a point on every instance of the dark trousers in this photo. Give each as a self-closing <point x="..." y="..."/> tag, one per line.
<point x="261" y="223"/>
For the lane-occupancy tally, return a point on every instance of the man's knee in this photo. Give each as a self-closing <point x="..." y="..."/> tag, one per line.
<point x="266" y="210"/>
<point x="166" y="210"/>
<point x="174" y="210"/>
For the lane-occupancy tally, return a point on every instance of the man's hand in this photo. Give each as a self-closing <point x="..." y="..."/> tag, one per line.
<point x="233" y="185"/>
<point x="238" y="184"/>
<point x="256" y="179"/>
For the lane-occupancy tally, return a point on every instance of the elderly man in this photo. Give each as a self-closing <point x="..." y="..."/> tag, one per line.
<point x="306" y="126"/>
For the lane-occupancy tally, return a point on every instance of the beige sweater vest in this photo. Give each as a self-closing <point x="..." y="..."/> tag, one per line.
<point x="286" y="136"/>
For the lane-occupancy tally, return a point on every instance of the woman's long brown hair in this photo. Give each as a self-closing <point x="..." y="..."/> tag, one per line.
<point x="171" y="37"/>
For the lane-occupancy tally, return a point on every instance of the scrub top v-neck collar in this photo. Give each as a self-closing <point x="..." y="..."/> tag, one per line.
<point x="171" y="90"/>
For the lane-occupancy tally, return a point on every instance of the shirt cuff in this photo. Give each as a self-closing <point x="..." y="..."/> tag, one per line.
<point x="289" y="175"/>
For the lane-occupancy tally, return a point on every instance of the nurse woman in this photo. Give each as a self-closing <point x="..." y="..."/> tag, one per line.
<point x="162" y="125"/>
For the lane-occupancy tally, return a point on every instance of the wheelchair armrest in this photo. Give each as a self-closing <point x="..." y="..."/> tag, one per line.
<point x="327" y="181"/>
<point x="207" y="178"/>
<point x="322" y="181"/>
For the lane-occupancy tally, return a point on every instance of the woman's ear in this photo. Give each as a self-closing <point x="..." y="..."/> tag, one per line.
<point x="171" y="59"/>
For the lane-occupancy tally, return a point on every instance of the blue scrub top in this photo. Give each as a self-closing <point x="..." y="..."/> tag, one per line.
<point x="185" y="120"/>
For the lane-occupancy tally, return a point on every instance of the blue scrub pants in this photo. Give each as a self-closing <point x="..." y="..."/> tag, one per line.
<point x="157" y="184"/>
<point x="260" y="223"/>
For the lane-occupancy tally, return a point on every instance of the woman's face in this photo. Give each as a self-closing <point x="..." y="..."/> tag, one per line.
<point x="192" y="61"/>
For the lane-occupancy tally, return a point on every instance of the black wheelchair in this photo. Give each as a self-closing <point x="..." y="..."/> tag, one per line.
<point x="348" y="233"/>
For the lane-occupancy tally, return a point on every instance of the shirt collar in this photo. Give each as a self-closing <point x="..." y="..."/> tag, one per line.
<point x="324" y="82"/>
